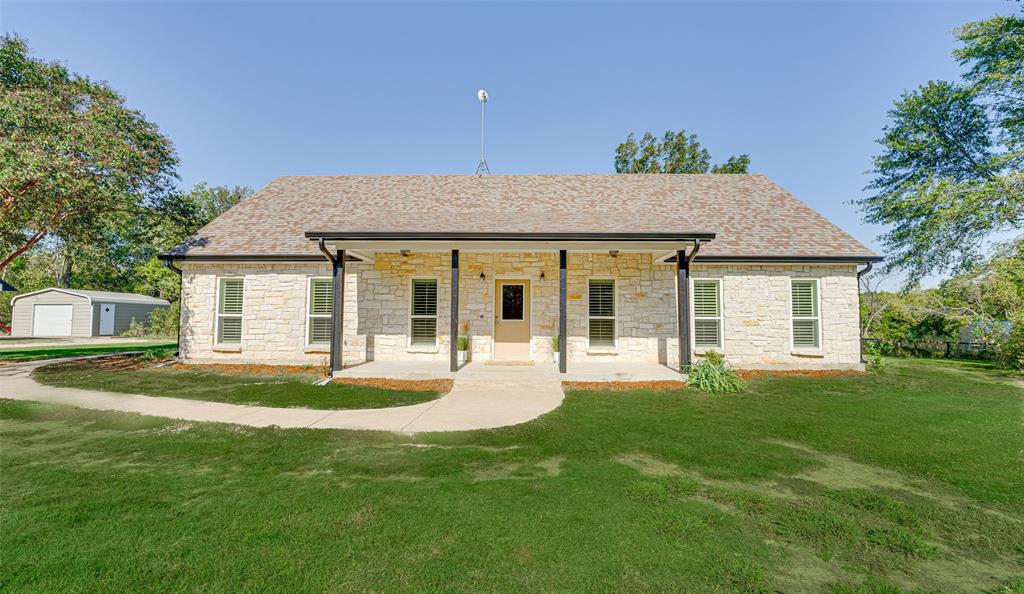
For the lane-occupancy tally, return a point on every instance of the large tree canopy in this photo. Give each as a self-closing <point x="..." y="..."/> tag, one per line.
<point x="71" y="154"/>
<point x="949" y="175"/>
<point x="676" y="152"/>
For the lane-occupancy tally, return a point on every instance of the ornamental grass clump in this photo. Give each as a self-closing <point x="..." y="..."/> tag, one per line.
<point x="711" y="374"/>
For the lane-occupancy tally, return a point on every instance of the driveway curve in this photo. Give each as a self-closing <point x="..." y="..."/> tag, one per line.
<point x="472" y="404"/>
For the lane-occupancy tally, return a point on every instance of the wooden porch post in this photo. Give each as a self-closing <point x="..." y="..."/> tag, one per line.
<point x="337" y="309"/>
<point x="683" y="308"/>
<point x="563" y="325"/>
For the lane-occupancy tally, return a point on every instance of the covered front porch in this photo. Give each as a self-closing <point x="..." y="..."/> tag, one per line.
<point x="582" y="371"/>
<point x="591" y="306"/>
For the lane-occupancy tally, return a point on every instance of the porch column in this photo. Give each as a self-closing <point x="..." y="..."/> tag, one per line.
<point x="563" y="325"/>
<point x="337" y="308"/>
<point x="683" y="308"/>
<point x="454" y="337"/>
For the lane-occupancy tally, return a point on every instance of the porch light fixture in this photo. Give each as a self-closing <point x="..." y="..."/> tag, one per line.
<point x="482" y="276"/>
<point x="541" y="276"/>
<point x="613" y="253"/>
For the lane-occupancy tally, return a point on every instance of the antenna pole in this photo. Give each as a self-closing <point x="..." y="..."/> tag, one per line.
<point x="482" y="165"/>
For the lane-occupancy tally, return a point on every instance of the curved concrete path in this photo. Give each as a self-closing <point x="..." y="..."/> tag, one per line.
<point x="472" y="404"/>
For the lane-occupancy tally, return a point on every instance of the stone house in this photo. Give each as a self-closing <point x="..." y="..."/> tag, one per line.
<point x="613" y="268"/>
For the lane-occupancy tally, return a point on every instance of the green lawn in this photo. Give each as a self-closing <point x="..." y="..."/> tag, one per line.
<point x="911" y="480"/>
<point x="284" y="390"/>
<point x="30" y="353"/>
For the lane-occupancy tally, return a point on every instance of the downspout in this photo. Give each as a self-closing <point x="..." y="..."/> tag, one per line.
<point x="860" y="332"/>
<point x="696" y="248"/>
<point x="326" y="252"/>
<point x="334" y="297"/>
<point x="181" y="285"/>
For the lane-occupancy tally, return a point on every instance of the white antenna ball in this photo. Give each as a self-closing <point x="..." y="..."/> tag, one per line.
<point x="482" y="96"/>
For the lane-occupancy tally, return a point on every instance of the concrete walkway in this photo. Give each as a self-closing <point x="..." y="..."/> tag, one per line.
<point x="472" y="404"/>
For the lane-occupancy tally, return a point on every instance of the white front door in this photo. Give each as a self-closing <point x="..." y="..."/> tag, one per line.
<point x="51" y="320"/>
<point x="106" y="319"/>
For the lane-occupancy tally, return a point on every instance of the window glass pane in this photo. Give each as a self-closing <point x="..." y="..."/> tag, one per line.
<point x="602" y="332"/>
<point x="705" y="299"/>
<point x="424" y="330"/>
<point x="231" y="296"/>
<point x="805" y="333"/>
<point x="321" y="297"/>
<point x="602" y="298"/>
<point x="512" y="302"/>
<point x="229" y="330"/>
<point x="706" y="333"/>
<point x="804" y="299"/>
<point x="319" y="330"/>
<point x="424" y="297"/>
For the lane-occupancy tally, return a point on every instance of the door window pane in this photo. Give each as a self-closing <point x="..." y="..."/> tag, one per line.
<point x="512" y="302"/>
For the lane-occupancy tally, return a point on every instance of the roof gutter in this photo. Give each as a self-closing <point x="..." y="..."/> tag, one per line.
<point x="502" y="236"/>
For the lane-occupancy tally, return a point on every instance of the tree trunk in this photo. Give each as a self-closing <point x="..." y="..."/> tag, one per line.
<point x="66" y="267"/>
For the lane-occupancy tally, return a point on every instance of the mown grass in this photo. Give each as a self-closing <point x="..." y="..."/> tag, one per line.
<point x="57" y="352"/>
<point x="282" y="390"/>
<point x="910" y="480"/>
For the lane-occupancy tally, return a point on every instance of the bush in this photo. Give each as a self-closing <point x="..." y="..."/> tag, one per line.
<point x="164" y="321"/>
<point x="135" y="329"/>
<point x="1009" y="352"/>
<point x="712" y="375"/>
<point x="873" y="354"/>
<point x="462" y="343"/>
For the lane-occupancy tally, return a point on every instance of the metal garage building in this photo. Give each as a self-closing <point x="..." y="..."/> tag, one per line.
<point x="74" y="312"/>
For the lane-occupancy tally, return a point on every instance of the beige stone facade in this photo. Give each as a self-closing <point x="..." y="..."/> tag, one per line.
<point x="756" y="322"/>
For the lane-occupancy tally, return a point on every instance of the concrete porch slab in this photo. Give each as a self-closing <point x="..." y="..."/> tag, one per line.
<point x="542" y="371"/>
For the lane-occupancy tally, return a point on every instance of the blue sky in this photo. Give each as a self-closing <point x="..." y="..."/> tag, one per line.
<point x="250" y="91"/>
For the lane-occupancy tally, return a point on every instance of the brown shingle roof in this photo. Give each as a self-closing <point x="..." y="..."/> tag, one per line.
<point x="750" y="214"/>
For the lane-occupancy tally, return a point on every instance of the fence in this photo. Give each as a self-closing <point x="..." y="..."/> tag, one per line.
<point x="931" y="349"/>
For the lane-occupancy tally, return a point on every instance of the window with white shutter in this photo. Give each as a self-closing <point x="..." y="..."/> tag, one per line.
<point x="707" y="313"/>
<point x="320" y="306"/>
<point x="230" y="295"/>
<point x="602" y="312"/>
<point x="806" y="319"/>
<point x="423" y="311"/>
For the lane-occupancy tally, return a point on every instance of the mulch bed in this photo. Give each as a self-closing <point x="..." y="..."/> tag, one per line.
<point x="441" y="386"/>
<point x="106" y="363"/>
<point x="246" y="369"/>
<point x="621" y="386"/>
<point x="749" y="374"/>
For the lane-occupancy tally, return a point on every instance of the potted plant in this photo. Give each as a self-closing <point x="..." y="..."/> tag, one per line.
<point x="555" y="347"/>
<point x="462" y="344"/>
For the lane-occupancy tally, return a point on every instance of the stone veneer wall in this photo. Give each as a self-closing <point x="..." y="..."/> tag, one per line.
<point x="756" y="309"/>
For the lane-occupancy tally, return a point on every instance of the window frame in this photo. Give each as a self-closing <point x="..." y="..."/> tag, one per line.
<point x="719" y="318"/>
<point x="435" y="317"/>
<point x="218" y="315"/>
<point x="309" y="311"/>
<point x="817" y="318"/>
<point x="614" y="317"/>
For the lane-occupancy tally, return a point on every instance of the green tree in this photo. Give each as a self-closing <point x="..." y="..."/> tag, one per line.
<point x="949" y="175"/>
<point x="675" y="152"/>
<point x="71" y="154"/>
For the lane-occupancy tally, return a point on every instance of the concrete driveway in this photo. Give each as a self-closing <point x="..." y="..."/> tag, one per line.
<point x="472" y="404"/>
